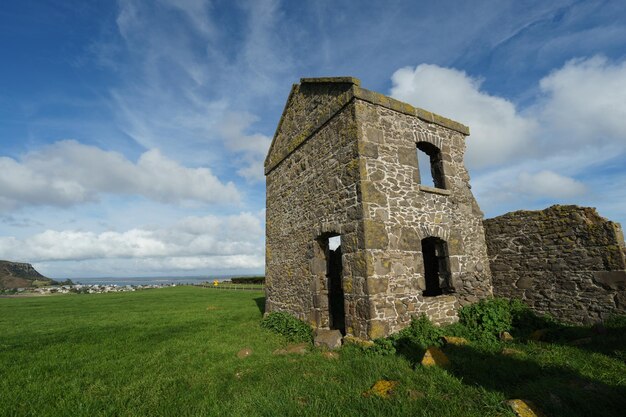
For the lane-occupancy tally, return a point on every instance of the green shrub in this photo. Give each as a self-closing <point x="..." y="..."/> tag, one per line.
<point x="488" y="318"/>
<point x="287" y="325"/>
<point x="524" y="320"/>
<point x="381" y="347"/>
<point x="615" y="321"/>
<point x="458" y="330"/>
<point x="418" y="336"/>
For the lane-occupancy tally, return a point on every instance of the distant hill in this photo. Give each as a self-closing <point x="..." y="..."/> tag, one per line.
<point x="20" y="275"/>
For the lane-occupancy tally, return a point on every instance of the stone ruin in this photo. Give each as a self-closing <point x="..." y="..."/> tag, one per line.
<point x="566" y="261"/>
<point x="360" y="236"/>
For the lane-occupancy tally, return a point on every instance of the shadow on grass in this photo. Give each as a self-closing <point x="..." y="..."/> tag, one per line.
<point x="609" y="340"/>
<point x="260" y="303"/>
<point x="558" y="391"/>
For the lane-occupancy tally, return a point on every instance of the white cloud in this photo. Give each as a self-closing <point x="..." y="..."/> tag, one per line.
<point x="543" y="155"/>
<point x="153" y="267"/>
<point x="549" y="184"/>
<point x="191" y="243"/>
<point x="585" y="101"/>
<point x="68" y="173"/>
<point x="498" y="132"/>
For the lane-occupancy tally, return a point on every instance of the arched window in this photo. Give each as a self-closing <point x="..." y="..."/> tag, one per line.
<point x="436" y="266"/>
<point x="428" y="155"/>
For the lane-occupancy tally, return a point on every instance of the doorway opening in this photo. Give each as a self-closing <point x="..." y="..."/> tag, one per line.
<point x="436" y="266"/>
<point x="336" y="309"/>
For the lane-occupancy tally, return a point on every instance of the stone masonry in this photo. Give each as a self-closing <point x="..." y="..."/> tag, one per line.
<point x="343" y="162"/>
<point x="566" y="261"/>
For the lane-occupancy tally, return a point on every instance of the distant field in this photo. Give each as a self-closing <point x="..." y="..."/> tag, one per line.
<point x="173" y="352"/>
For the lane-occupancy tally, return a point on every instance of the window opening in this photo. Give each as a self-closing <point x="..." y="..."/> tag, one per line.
<point x="436" y="266"/>
<point x="428" y="155"/>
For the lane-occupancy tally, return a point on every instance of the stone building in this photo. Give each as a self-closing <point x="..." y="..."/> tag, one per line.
<point x="361" y="237"/>
<point x="566" y="261"/>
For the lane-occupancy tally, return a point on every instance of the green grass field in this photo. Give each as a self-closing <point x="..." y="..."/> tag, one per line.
<point x="173" y="352"/>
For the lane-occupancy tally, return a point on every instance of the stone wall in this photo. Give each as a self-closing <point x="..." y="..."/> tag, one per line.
<point x="344" y="162"/>
<point x="399" y="212"/>
<point x="566" y="261"/>
<point x="313" y="193"/>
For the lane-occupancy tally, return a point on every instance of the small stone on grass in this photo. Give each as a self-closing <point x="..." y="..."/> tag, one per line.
<point x="244" y="353"/>
<point x="524" y="408"/>
<point x="511" y="352"/>
<point x="454" y="341"/>
<point x="382" y="388"/>
<point x="435" y="357"/>
<point x="506" y="337"/>
<point x="330" y="339"/>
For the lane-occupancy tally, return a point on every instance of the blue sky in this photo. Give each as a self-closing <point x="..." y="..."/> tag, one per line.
<point x="132" y="133"/>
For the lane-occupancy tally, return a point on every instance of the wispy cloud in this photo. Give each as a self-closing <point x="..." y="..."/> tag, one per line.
<point x="182" y="87"/>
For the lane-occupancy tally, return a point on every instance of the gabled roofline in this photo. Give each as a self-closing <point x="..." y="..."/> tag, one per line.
<point x="323" y="115"/>
<point x="280" y="122"/>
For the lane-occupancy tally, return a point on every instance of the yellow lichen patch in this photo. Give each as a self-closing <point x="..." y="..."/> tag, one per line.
<point x="524" y="408"/>
<point x="382" y="388"/>
<point x="455" y="341"/>
<point x="435" y="357"/>
<point x="358" y="341"/>
<point x="376" y="330"/>
<point x="347" y="285"/>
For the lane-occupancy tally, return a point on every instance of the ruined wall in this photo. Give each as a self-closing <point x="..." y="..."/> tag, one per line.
<point x="398" y="212"/>
<point x="311" y="193"/>
<point x="566" y="261"/>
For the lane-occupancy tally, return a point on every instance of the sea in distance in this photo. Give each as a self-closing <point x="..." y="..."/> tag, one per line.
<point x="150" y="280"/>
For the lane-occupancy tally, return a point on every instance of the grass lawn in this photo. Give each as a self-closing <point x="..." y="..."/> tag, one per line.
<point x="173" y="352"/>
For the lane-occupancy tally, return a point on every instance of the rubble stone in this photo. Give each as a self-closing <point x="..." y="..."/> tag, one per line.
<point x="435" y="357"/>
